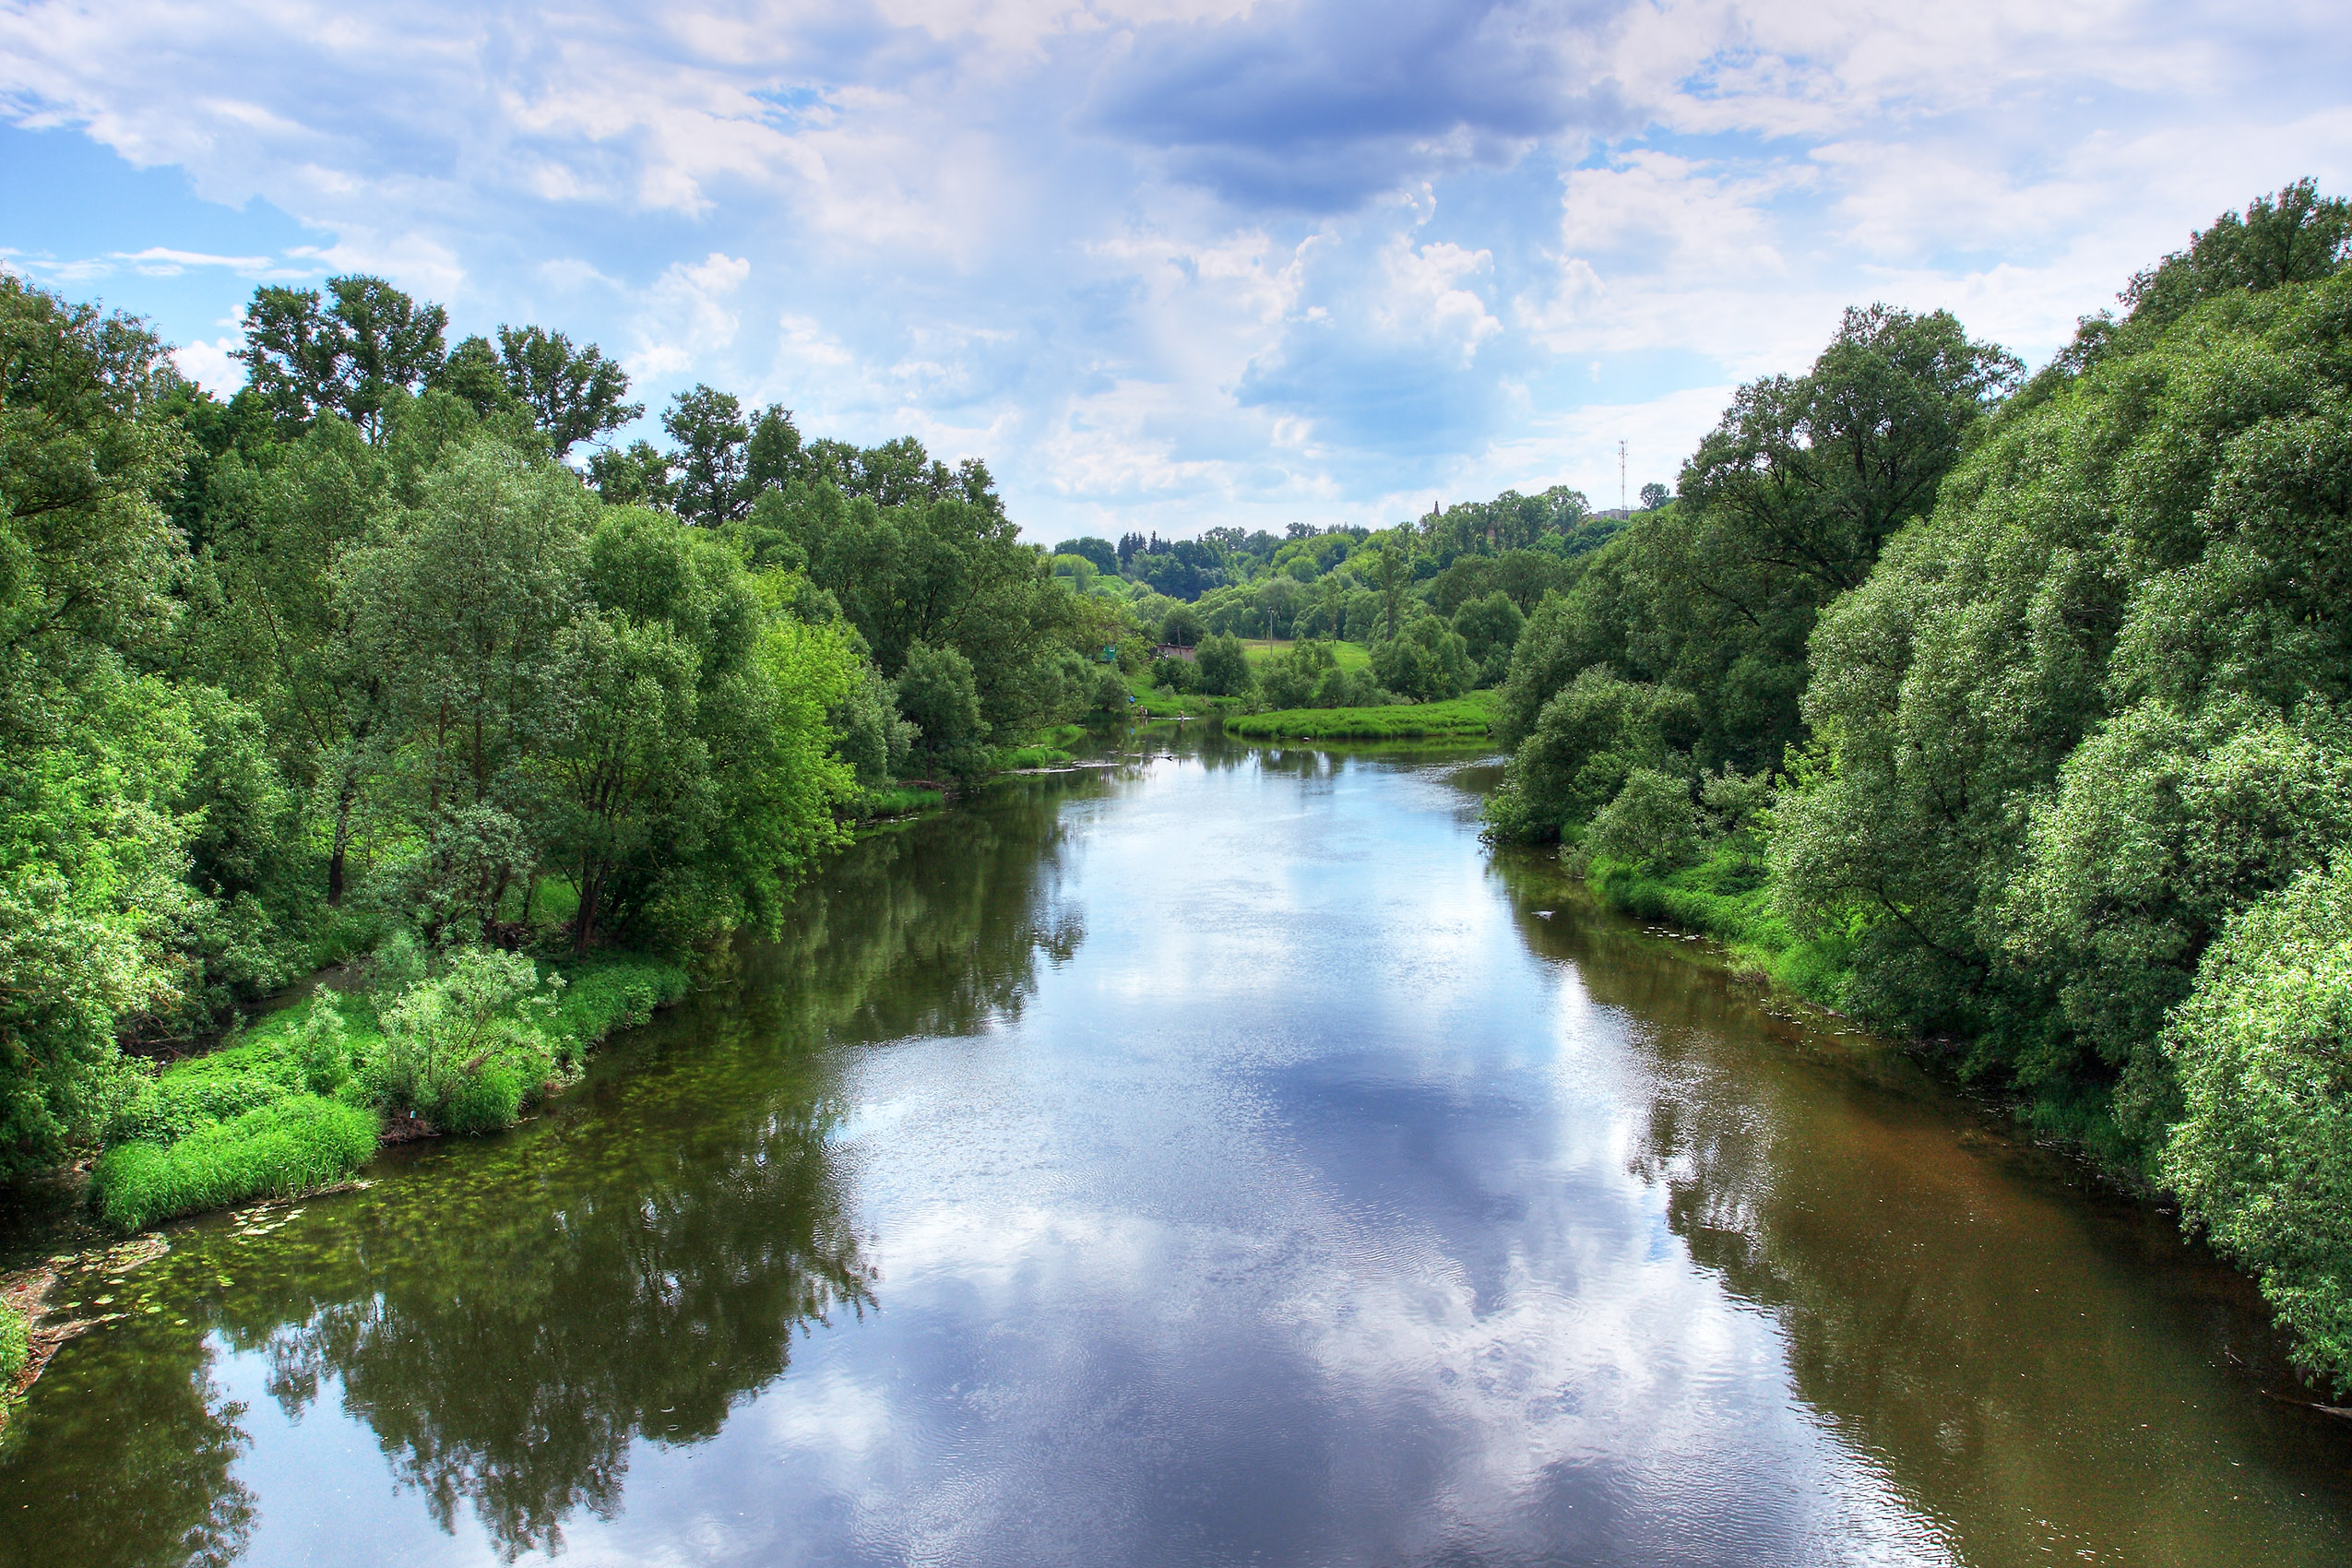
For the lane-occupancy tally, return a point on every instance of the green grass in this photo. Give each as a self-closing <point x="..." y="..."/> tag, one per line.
<point x="16" y="1345"/>
<point x="1463" y="718"/>
<point x="301" y="1142"/>
<point x="902" y="800"/>
<point x="606" y="992"/>
<point x="1350" y="656"/>
<point x="212" y="1107"/>
<point x="1727" y="896"/>
<point x="1006" y="758"/>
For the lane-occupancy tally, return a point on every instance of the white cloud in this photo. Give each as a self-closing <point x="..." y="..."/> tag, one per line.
<point x="213" y="365"/>
<point x="1196" y="261"/>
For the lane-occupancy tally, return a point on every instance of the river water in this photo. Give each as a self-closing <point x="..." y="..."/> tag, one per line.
<point x="1220" y="1158"/>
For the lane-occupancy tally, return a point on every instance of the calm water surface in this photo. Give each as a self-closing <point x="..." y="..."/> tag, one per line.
<point x="1222" y="1158"/>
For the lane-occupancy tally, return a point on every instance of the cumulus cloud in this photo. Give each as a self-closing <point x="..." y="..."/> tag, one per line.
<point x="1168" y="263"/>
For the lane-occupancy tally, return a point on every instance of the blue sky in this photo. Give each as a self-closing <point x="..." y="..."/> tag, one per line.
<point x="1167" y="264"/>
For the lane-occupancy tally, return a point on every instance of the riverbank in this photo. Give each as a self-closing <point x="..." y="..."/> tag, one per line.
<point x="260" y="1115"/>
<point x="263" y="1115"/>
<point x="1466" y="717"/>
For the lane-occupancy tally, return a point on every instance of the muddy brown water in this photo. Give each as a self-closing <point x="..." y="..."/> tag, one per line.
<point x="1220" y="1158"/>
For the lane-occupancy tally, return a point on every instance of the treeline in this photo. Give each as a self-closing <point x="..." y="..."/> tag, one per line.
<point x="1433" y="609"/>
<point x="2010" y="713"/>
<point x="356" y="654"/>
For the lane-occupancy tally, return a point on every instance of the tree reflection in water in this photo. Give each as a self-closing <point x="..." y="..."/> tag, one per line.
<point x="1941" y="1289"/>
<point x="509" y="1316"/>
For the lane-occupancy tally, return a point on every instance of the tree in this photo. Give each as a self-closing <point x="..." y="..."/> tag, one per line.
<point x="1587" y="739"/>
<point x="1490" y="629"/>
<point x="574" y="395"/>
<point x="712" y="457"/>
<point x="2297" y="236"/>
<point x="459" y="609"/>
<point x="1654" y="496"/>
<point x="937" y="693"/>
<point x="1098" y="550"/>
<point x="355" y="352"/>
<point x="637" y="476"/>
<point x="1222" y="667"/>
<point x="1181" y="627"/>
<point x="1648" y="823"/>
<point x="94" y="753"/>
<point x="2082" y="716"/>
<point x="2262" y="1154"/>
<point x="1428" y="663"/>
<point x="280" y="628"/>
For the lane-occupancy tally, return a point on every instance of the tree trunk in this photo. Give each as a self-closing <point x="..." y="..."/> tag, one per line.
<point x="346" y="799"/>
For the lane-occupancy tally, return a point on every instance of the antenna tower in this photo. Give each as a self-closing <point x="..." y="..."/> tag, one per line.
<point x="1620" y="475"/>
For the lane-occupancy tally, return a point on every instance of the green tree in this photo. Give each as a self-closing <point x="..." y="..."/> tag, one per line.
<point x="937" y="693"/>
<point x="2297" y="236"/>
<point x="574" y="395"/>
<point x="95" y="754"/>
<point x="1222" y="667"/>
<point x="1585" y="742"/>
<point x="1648" y="823"/>
<point x="712" y="457"/>
<point x="355" y="351"/>
<point x="1429" y="663"/>
<point x="1490" y="629"/>
<point x="2262" y="1157"/>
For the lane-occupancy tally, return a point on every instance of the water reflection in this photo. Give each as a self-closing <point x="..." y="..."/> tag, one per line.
<point x="2040" y="1368"/>
<point x="509" y="1319"/>
<point x="1218" y="1158"/>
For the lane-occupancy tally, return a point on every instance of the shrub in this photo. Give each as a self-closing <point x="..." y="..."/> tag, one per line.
<point x="1649" y="824"/>
<point x="485" y="1015"/>
<point x="15" y="1344"/>
<point x="2262" y="1157"/>
<point x="299" y="1143"/>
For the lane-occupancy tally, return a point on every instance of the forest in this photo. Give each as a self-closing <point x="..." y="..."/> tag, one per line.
<point x="358" y="667"/>
<point x="2003" y="712"/>
<point x="2008" y="714"/>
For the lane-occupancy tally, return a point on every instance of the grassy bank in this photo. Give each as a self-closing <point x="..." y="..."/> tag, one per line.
<point x="1350" y="656"/>
<point x="1726" y="897"/>
<point x="1466" y="718"/>
<point x="287" y="1106"/>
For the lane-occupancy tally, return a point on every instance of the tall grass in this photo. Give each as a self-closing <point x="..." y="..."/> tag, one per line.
<point x="242" y="1123"/>
<point x="298" y="1144"/>
<point x="1463" y="718"/>
<point x="1724" y="896"/>
<point x="16" y="1345"/>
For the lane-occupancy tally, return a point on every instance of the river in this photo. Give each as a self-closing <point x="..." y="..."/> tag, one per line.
<point x="1220" y="1158"/>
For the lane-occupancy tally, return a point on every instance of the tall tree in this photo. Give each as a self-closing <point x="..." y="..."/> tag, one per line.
<point x="712" y="457"/>
<point x="574" y="395"/>
<point x="355" y="351"/>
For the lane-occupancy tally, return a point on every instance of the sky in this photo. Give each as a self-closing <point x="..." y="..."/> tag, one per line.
<point x="1167" y="264"/>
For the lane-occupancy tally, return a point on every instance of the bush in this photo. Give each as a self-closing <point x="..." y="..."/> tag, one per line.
<point x="298" y="1144"/>
<point x="2262" y="1157"/>
<point x="1649" y="824"/>
<point x="451" y="1042"/>
<point x="1222" y="667"/>
<point x="939" y="693"/>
